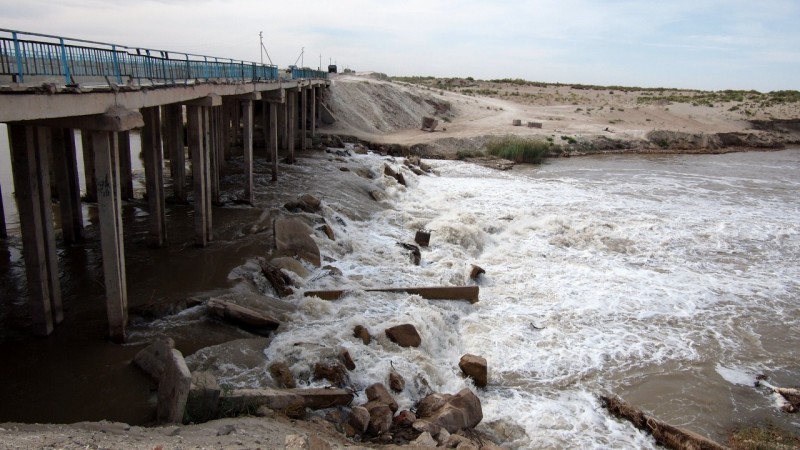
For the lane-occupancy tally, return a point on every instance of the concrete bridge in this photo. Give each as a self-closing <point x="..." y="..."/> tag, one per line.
<point x="182" y="104"/>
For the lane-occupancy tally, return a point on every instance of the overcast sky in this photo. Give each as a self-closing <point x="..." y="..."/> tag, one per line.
<point x="704" y="44"/>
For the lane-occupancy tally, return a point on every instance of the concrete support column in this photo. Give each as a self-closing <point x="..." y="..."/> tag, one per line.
<point x="247" y="145"/>
<point x="291" y="119"/>
<point x="173" y="146"/>
<point x="283" y="125"/>
<point x="65" y="168"/>
<point x="265" y="128"/>
<point x="272" y="142"/>
<point x="303" y="118"/>
<point x="236" y="113"/>
<point x="88" y="167"/>
<point x="3" y="230"/>
<point x="200" y="173"/>
<point x="318" y="104"/>
<point x="313" y="113"/>
<point x="154" y="176"/>
<point x="109" y="207"/>
<point x="29" y="149"/>
<point x="215" y="161"/>
<point x="125" y="170"/>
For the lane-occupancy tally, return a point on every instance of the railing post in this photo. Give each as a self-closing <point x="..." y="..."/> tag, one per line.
<point x="117" y="70"/>
<point x="18" y="55"/>
<point x="67" y="74"/>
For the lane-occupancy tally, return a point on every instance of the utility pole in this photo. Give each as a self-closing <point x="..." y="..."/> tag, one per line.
<point x="302" y="52"/>
<point x="320" y="62"/>
<point x="261" y="48"/>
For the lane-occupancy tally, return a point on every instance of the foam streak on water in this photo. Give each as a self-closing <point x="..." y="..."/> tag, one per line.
<point x="667" y="280"/>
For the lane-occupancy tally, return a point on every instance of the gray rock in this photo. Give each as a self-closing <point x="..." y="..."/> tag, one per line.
<point x="378" y="393"/>
<point x="359" y="419"/>
<point x="405" y="335"/>
<point x="474" y="367"/>
<point x="152" y="358"/>
<point x="173" y="389"/>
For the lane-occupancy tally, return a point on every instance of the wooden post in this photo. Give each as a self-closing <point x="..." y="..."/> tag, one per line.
<point x="303" y="118"/>
<point x="247" y="109"/>
<point x="291" y="119"/>
<point x="65" y="168"/>
<point x="173" y="146"/>
<point x="32" y="188"/>
<point x="273" y="139"/>
<point x="154" y="176"/>
<point x="88" y="167"/>
<point x="125" y="170"/>
<point x="110" y="216"/>
<point x="202" y="213"/>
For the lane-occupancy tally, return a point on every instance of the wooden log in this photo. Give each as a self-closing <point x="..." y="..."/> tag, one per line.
<point x="664" y="433"/>
<point x="430" y="293"/>
<point x="241" y="315"/>
<point x="279" y="280"/>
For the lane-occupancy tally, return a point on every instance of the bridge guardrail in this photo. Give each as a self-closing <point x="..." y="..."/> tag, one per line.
<point x="45" y="55"/>
<point x="298" y="74"/>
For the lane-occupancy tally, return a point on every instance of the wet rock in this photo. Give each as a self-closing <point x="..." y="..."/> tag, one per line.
<point x="332" y="270"/>
<point x="228" y="359"/>
<point x="377" y="195"/>
<point x="362" y="333"/>
<point x="476" y="271"/>
<point x="346" y="359"/>
<point x="291" y="265"/>
<point x="331" y="371"/>
<point x="443" y="437"/>
<point x="282" y="375"/>
<point x="173" y="389"/>
<point x="404" y="419"/>
<point x="359" y="419"/>
<point x="293" y="238"/>
<point x="240" y="315"/>
<point x="279" y="280"/>
<point x="378" y="393"/>
<point x="396" y="382"/>
<point x="416" y="256"/>
<point x="423" y="238"/>
<point x="305" y="202"/>
<point x="203" y="400"/>
<point x="152" y="358"/>
<point x="327" y="230"/>
<point x="425" y="440"/>
<point x="380" y="418"/>
<point x="451" y="412"/>
<point x="474" y="367"/>
<point x="405" y="335"/>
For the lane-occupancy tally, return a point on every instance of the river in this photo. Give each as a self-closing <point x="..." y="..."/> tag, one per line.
<point x="671" y="281"/>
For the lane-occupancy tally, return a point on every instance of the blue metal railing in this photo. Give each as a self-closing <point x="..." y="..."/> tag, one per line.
<point x="44" y="55"/>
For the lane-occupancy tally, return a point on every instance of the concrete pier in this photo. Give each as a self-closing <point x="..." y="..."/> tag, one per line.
<point x="88" y="168"/>
<point x="29" y="160"/>
<point x="291" y="120"/>
<point x="3" y="229"/>
<point x="303" y="118"/>
<point x="125" y="171"/>
<point x="247" y="148"/>
<point x="154" y="176"/>
<point x="65" y="169"/>
<point x="172" y="118"/>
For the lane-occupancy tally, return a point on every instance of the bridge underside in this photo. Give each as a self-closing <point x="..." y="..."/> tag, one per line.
<point x="202" y="121"/>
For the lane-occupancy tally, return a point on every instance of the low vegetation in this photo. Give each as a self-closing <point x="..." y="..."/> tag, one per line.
<point x="766" y="437"/>
<point x="519" y="149"/>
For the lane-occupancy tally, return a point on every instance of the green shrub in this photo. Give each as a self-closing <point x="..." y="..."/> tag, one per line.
<point x="519" y="149"/>
<point x="464" y="154"/>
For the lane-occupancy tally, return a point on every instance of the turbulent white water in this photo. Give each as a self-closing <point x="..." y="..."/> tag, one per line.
<point x="671" y="281"/>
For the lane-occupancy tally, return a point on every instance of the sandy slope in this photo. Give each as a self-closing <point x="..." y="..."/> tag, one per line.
<point x="373" y="108"/>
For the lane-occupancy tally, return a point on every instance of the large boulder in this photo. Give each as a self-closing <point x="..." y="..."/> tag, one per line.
<point x="362" y="333"/>
<point x="334" y="372"/>
<point x="474" y="367"/>
<point x="359" y="419"/>
<point x="173" y="389"/>
<point x="396" y="382"/>
<point x="152" y="358"/>
<point x="282" y="375"/>
<point x="293" y="238"/>
<point x="405" y="335"/>
<point x="305" y="202"/>
<point x="378" y="393"/>
<point x="380" y="418"/>
<point x="203" y="401"/>
<point x="451" y="412"/>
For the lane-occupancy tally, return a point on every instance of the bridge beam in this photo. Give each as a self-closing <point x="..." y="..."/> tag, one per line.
<point x="154" y="176"/>
<point x="65" y="169"/>
<point x="29" y="161"/>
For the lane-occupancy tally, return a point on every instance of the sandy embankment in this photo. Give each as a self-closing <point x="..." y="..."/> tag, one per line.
<point x="580" y="120"/>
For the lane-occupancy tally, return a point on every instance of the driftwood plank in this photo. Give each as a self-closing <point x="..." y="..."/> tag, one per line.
<point x="431" y="293"/>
